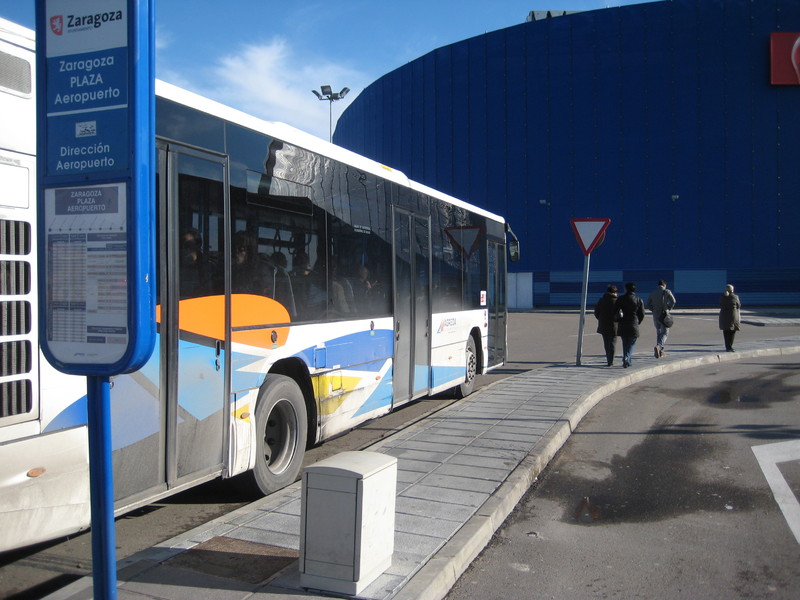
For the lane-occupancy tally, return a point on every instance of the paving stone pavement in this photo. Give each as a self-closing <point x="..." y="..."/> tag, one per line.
<point x="461" y="471"/>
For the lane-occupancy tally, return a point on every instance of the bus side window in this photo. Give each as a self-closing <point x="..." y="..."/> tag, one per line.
<point x="198" y="270"/>
<point x="275" y="246"/>
<point x="250" y="271"/>
<point x="282" y="289"/>
<point x="362" y="262"/>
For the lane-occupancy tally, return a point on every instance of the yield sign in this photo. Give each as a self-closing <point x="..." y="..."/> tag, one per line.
<point x="465" y="238"/>
<point x="589" y="232"/>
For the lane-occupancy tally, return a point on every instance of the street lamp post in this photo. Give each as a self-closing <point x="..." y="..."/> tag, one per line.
<point x="326" y="93"/>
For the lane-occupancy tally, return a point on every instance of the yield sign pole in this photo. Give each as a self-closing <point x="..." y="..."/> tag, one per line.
<point x="590" y="234"/>
<point x="584" y="292"/>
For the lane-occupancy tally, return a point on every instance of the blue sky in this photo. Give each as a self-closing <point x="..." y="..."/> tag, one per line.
<point x="264" y="57"/>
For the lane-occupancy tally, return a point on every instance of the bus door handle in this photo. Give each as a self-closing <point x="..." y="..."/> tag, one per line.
<point x="397" y="330"/>
<point x="218" y="348"/>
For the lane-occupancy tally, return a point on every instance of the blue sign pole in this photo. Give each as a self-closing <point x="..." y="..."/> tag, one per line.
<point x="96" y="215"/>
<point x="101" y="483"/>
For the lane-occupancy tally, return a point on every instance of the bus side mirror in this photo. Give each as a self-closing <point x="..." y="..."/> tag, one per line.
<point x="513" y="250"/>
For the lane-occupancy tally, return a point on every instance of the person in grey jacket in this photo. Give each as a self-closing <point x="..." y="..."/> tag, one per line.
<point x="659" y="301"/>
<point x="729" y="306"/>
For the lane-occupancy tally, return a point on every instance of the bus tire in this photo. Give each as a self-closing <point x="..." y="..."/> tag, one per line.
<point x="281" y="433"/>
<point x="466" y="387"/>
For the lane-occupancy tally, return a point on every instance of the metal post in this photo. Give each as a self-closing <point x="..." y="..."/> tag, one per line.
<point x="325" y="93"/>
<point x="584" y="293"/>
<point x="101" y="484"/>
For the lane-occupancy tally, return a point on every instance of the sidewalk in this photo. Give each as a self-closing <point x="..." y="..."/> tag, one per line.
<point x="460" y="474"/>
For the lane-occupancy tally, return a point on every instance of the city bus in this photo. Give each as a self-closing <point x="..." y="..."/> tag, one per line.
<point x="301" y="291"/>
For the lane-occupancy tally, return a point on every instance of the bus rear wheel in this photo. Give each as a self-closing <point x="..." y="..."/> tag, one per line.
<point x="281" y="433"/>
<point x="465" y="389"/>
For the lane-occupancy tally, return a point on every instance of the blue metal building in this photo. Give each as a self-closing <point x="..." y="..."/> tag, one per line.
<point x="660" y="116"/>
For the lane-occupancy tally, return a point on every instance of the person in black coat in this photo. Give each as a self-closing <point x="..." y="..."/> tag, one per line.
<point x="631" y="310"/>
<point x="605" y="312"/>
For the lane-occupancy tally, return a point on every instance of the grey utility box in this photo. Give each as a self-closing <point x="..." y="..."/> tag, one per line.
<point x="347" y="521"/>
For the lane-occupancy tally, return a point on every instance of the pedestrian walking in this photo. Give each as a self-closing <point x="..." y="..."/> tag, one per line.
<point x="631" y="310"/>
<point x="729" y="318"/>
<point x="606" y="313"/>
<point x="660" y="301"/>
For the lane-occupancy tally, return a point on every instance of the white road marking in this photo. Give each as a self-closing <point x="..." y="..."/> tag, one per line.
<point x="768" y="456"/>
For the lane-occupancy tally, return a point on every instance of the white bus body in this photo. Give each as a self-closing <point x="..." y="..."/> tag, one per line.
<point x="303" y="290"/>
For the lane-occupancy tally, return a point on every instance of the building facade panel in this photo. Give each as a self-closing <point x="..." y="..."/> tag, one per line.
<point x="660" y="116"/>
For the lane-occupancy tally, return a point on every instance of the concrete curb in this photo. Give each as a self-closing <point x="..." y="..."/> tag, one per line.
<point x="435" y="580"/>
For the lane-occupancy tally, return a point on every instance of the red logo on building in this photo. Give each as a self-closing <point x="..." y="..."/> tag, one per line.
<point x="57" y="24"/>
<point x="784" y="58"/>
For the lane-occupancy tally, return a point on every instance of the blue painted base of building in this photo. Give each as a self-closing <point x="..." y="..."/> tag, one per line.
<point x="702" y="288"/>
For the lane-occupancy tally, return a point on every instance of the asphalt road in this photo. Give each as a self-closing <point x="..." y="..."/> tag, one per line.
<point x="536" y="340"/>
<point x="659" y="494"/>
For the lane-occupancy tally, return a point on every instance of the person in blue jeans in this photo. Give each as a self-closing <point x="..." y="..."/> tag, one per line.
<point x="631" y="310"/>
<point x="659" y="301"/>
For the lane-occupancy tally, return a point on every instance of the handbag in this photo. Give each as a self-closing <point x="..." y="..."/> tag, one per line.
<point x="665" y="319"/>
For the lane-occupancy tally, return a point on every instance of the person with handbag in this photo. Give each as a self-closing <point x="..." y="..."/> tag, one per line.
<point x="729" y="319"/>
<point x="606" y="314"/>
<point x="660" y="302"/>
<point x="631" y="310"/>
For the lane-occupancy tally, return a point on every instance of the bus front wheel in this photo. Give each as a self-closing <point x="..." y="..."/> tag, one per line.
<point x="281" y="432"/>
<point x="466" y="387"/>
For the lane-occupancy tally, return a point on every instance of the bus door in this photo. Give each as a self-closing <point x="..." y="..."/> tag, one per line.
<point x="496" y="304"/>
<point x="195" y="313"/>
<point x="412" y="305"/>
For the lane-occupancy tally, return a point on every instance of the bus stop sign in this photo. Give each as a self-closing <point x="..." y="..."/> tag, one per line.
<point x="95" y="156"/>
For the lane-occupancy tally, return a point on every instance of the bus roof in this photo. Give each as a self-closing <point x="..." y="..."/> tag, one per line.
<point x="17" y="34"/>
<point x="26" y="38"/>
<point x="305" y="140"/>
